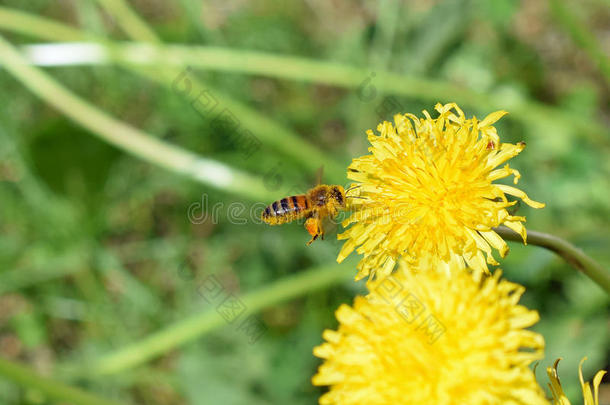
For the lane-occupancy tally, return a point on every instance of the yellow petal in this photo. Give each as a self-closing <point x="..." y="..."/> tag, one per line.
<point x="504" y="172"/>
<point x="520" y="194"/>
<point x="596" y="381"/>
<point x="492" y="118"/>
<point x="496" y="241"/>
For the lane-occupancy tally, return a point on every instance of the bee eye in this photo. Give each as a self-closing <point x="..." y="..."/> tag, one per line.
<point x="337" y="195"/>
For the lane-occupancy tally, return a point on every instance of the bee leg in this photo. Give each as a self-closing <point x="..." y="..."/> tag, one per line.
<point x="314" y="227"/>
<point x="320" y="229"/>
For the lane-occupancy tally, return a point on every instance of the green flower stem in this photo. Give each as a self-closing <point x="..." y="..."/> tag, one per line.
<point x="126" y="137"/>
<point x="570" y="253"/>
<point x="50" y="388"/>
<point x="208" y="319"/>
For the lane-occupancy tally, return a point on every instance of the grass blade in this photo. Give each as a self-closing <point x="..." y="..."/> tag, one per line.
<point x="126" y="137"/>
<point x="51" y="388"/>
<point x="335" y="74"/>
<point x="206" y="321"/>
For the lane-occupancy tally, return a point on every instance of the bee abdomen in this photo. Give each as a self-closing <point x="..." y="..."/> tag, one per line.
<point x="286" y="210"/>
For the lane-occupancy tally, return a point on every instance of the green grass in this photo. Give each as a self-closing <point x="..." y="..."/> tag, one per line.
<point x="100" y="262"/>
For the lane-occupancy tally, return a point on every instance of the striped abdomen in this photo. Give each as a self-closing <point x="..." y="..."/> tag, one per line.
<point x="286" y="210"/>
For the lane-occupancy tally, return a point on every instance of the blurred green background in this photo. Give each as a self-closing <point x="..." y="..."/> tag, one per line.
<point x="101" y="264"/>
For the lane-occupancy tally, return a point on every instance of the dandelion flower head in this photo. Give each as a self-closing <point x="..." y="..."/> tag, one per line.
<point x="427" y="194"/>
<point x="432" y="338"/>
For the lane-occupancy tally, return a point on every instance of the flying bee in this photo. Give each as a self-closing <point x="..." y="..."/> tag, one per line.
<point x="320" y="202"/>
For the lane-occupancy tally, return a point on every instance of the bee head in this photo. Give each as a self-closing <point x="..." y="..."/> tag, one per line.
<point x="337" y="193"/>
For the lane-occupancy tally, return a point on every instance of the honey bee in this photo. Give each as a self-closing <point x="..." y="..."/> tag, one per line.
<point x="320" y="202"/>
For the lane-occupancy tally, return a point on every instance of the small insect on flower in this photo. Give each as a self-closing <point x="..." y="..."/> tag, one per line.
<point x="320" y="202"/>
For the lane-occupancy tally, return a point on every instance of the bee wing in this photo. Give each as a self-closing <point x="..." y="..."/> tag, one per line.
<point x="331" y="226"/>
<point x="319" y="174"/>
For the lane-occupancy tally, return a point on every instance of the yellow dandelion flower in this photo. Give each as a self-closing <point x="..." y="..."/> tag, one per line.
<point x="428" y="193"/>
<point x="559" y="398"/>
<point x="432" y="338"/>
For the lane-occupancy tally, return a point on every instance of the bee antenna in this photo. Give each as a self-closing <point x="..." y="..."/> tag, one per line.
<point x="352" y="188"/>
<point x="353" y="196"/>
